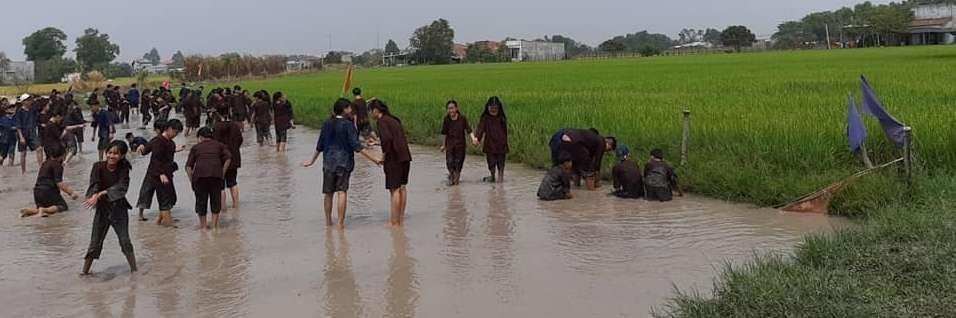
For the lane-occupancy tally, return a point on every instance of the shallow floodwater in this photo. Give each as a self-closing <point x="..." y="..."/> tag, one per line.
<point x="475" y="250"/>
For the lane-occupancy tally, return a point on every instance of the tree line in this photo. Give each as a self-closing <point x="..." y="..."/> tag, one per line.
<point x="231" y="65"/>
<point x="865" y="24"/>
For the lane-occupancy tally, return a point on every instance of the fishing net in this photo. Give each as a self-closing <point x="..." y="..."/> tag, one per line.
<point x="818" y="202"/>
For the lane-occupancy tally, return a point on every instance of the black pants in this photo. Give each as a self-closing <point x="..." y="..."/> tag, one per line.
<point x="262" y="132"/>
<point x="124" y="116"/>
<point x="455" y="159"/>
<point x="496" y="162"/>
<point x="110" y="215"/>
<point x="165" y="194"/>
<point x="659" y="194"/>
<point x="208" y="190"/>
<point x="147" y="117"/>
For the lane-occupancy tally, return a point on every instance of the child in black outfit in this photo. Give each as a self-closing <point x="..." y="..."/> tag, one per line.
<point x="109" y="181"/>
<point x="46" y="192"/>
<point x="556" y="185"/>
<point x="206" y="166"/>
<point x="455" y="128"/>
<point x="159" y="173"/>
<point x="659" y="178"/>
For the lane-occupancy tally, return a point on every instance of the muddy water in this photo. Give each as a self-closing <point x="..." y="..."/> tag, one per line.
<point x="475" y="250"/>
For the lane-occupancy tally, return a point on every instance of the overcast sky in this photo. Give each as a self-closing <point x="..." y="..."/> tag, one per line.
<point x="304" y="26"/>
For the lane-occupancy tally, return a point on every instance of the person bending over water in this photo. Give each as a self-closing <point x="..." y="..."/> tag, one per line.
<point x="556" y="184"/>
<point x="109" y="181"/>
<point x="626" y="175"/>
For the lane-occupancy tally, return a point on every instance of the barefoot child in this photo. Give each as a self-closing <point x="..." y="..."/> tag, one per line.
<point x="455" y="128"/>
<point x="146" y="190"/>
<point x="8" y="132"/>
<point x="206" y="166"/>
<point x="339" y="141"/>
<point x="105" y="129"/>
<point x="284" y="120"/>
<point x="159" y="173"/>
<point x="493" y="132"/>
<point x="556" y="185"/>
<point x="397" y="158"/>
<point x="109" y="181"/>
<point x="46" y="192"/>
<point x="660" y="179"/>
<point x="262" y="116"/>
<point x="229" y="132"/>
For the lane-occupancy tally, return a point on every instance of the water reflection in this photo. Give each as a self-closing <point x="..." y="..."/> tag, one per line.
<point x="456" y="223"/>
<point x="401" y="294"/>
<point x="499" y="234"/>
<point x="341" y="293"/>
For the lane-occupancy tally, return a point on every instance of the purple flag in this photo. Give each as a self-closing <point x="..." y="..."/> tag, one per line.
<point x="855" y="130"/>
<point x="872" y="106"/>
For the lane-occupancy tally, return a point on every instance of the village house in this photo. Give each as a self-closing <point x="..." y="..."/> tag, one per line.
<point x="933" y="24"/>
<point x="17" y="72"/>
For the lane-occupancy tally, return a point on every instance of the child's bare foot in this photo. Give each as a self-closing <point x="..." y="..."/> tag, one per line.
<point x="27" y="212"/>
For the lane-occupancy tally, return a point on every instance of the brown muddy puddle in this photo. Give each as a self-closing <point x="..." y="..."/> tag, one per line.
<point x="475" y="250"/>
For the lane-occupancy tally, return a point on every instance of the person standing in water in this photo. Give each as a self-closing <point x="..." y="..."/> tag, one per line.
<point x="229" y="132"/>
<point x="455" y="128"/>
<point x="493" y="132"/>
<point x="262" y="116"/>
<point x="159" y="173"/>
<point x="339" y="141"/>
<point x="284" y="120"/>
<point x="397" y="159"/>
<point x="206" y="166"/>
<point x="109" y="181"/>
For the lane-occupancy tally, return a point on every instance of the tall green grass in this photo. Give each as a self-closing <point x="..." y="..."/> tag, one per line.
<point x="766" y="127"/>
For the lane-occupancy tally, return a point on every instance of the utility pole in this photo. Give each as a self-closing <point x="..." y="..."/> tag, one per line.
<point x="828" y="35"/>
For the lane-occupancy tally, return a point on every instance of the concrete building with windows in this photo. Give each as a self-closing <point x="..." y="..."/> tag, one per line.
<point x="18" y="72"/>
<point x="933" y="24"/>
<point x="521" y="50"/>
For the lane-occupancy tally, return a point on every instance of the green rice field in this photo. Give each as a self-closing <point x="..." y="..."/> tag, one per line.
<point x="766" y="127"/>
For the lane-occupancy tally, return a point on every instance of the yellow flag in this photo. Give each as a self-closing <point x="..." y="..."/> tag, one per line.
<point x="348" y="81"/>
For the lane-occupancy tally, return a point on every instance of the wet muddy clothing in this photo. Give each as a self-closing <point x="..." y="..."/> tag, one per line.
<point x="240" y="108"/>
<point x="397" y="156"/>
<point x="262" y="112"/>
<point x="360" y="109"/>
<point x="335" y="181"/>
<point x="206" y="160"/>
<point x="229" y="133"/>
<point x="28" y="121"/>
<point x="496" y="162"/>
<point x="165" y="194"/>
<point x="586" y="149"/>
<point x="112" y="209"/>
<point x="659" y="180"/>
<point x="137" y="141"/>
<point x="52" y="133"/>
<point x="192" y="111"/>
<point x="208" y="193"/>
<point x="456" y="145"/>
<point x="46" y="192"/>
<point x="556" y="185"/>
<point x="338" y="143"/>
<point x="493" y="131"/>
<point x="283" y="120"/>
<point x="8" y="136"/>
<point x="628" y="182"/>
<point x="161" y="160"/>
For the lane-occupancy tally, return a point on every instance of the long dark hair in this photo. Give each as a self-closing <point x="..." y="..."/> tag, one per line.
<point x="275" y="97"/>
<point x="380" y="106"/>
<point x="494" y="101"/>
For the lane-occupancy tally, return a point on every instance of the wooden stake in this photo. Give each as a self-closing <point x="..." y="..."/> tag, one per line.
<point x="908" y="155"/>
<point x="866" y="156"/>
<point x="685" y="139"/>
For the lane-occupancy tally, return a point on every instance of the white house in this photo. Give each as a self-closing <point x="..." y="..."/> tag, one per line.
<point x="521" y="50"/>
<point x="933" y="24"/>
<point x="18" y="72"/>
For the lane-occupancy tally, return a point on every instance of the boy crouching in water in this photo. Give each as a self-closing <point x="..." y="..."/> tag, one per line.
<point x="659" y="178"/>
<point x="46" y="192"/>
<point x="109" y="181"/>
<point x="557" y="183"/>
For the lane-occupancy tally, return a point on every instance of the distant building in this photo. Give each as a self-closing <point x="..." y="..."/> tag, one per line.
<point x="459" y="52"/>
<point x="18" y="72"/>
<point x="521" y="50"/>
<point x="933" y="24"/>
<point x="70" y="77"/>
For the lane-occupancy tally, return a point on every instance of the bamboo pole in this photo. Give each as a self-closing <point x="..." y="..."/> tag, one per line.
<point x="685" y="139"/>
<point x="908" y="155"/>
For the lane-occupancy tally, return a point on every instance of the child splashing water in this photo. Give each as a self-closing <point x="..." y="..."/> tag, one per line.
<point x="109" y="181"/>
